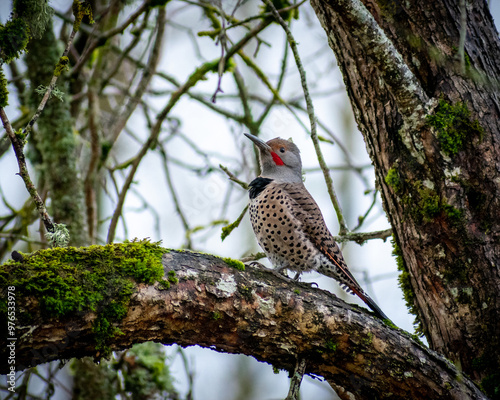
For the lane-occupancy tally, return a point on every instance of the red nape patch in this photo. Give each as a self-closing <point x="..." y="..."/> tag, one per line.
<point x="277" y="159"/>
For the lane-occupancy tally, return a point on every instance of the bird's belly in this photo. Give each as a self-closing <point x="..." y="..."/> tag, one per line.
<point x="282" y="239"/>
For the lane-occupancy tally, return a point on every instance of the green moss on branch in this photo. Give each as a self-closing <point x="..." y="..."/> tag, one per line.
<point x="97" y="279"/>
<point x="14" y="37"/>
<point x="237" y="264"/>
<point x="4" y="92"/>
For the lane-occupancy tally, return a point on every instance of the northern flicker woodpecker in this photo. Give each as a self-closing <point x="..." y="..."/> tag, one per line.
<point x="288" y="223"/>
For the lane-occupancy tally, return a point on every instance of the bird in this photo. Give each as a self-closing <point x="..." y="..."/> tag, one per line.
<point x="288" y="223"/>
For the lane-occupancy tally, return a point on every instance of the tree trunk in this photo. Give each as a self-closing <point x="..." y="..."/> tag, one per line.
<point x="429" y="112"/>
<point x="212" y="304"/>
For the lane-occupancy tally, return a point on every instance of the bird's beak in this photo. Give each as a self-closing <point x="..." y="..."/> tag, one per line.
<point x="258" y="142"/>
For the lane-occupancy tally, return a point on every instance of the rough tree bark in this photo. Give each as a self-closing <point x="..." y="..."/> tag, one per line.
<point x="251" y="312"/>
<point x="416" y="94"/>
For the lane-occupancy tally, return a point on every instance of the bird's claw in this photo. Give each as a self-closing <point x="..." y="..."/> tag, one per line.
<point x="279" y="272"/>
<point x="310" y="284"/>
<point x="257" y="264"/>
<point x="296" y="278"/>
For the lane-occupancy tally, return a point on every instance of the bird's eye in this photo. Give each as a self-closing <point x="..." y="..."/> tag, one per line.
<point x="282" y="150"/>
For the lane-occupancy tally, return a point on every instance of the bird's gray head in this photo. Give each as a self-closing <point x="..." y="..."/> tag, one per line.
<point x="279" y="159"/>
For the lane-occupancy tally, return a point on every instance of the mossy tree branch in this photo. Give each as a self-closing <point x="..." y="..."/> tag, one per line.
<point x="252" y="312"/>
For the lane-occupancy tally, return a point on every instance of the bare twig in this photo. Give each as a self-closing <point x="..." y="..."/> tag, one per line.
<point x="243" y="95"/>
<point x="23" y="172"/>
<point x="95" y="155"/>
<point x="189" y="373"/>
<point x="148" y="74"/>
<point x="232" y="177"/>
<point x="312" y="118"/>
<point x="253" y="257"/>
<point x="361" y="237"/>
<point x="193" y="79"/>
<point x="222" y="40"/>
<point x="234" y="22"/>
<point x="149" y="70"/>
<point x="226" y="230"/>
<point x="362" y="218"/>
<point x="62" y="62"/>
<point x="101" y="37"/>
<point x="21" y="237"/>
<point x="269" y="105"/>
<point x="175" y="198"/>
<point x="119" y="62"/>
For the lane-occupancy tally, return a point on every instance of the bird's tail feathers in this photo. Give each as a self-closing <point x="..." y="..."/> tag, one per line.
<point x="370" y="303"/>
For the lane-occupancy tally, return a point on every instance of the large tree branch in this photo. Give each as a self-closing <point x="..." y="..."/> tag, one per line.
<point x="252" y="312"/>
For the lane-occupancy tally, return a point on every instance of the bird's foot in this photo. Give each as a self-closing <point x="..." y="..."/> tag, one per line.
<point x="258" y="265"/>
<point x="282" y="271"/>
<point x="279" y="272"/>
<point x="296" y="278"/>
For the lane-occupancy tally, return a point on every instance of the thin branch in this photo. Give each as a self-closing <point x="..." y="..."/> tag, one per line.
<point x="102" y="37"/>
<point x="195" y="77"/>
<point x="361" y="237"/>
<point x="296" y="380"/>
<point x="226" y="230"/>
<point x="362" y="218"/>
<point x="95" y="155"/>
<point x="52" y="84"/>
<point x="119" y="62"/>
<point x="23" y="172"/>
<point x="147" y="76"/>
<point x="281" y="78"/>
<point x="189" y="372"/>
<point x="20" y="237"/>
<point x="268" y="14"/>
<point x="233" y="177"/>
<point x="175" y="198"/>
<point x="222" y="40"/>
<point x="234" y="22"/>
<point x="312" y="118"/>
<point x="346" y="167"/>
<point x="243" y="95"/>
<point x="253" y="257"/>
